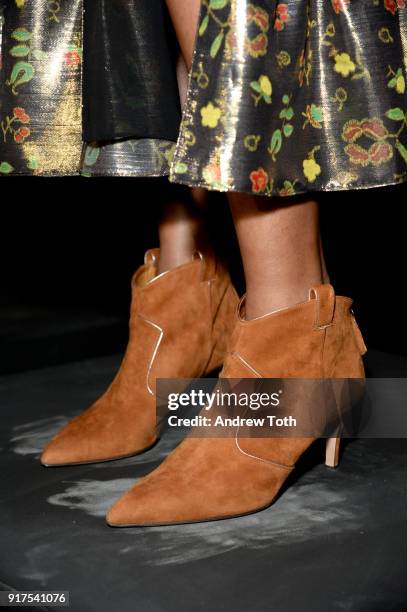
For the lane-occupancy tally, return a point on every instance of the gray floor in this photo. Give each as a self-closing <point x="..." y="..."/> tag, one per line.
<point x="333" y="541"/>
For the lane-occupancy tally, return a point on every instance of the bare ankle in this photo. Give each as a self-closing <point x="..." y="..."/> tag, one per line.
<point x="260" y="302"/>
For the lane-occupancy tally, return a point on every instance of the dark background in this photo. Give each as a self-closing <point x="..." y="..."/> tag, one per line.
<point x="70" y="246"/>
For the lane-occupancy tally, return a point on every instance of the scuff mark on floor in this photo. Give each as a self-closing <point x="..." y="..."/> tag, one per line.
<point x="304" y="512"/>
<point x="92" y="496"/>
<point x="30" y="438"/>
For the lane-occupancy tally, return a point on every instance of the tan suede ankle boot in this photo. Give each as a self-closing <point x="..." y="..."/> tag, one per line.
<point x="213" y="478"/>
<point x="180" y="322"/>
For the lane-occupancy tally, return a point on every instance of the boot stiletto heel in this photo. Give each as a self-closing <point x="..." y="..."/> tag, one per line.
<point x="332" y="452"/>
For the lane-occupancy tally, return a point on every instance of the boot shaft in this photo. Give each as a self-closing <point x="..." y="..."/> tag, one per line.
<point x="314" y="339"/>
<point x="187" y="313"/>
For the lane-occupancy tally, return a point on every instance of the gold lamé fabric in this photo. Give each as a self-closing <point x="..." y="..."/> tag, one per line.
<point x="40" y="87"/>
<point x="284" y="97"/>
<point x="288" y="97"/>
<point x="122" y="101"/>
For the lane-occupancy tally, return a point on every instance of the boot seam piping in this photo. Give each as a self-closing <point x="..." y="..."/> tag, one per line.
<point x="268" y="461"/>
<point x="155" y="351"/>
<point x="322" y="327"/>
<point x="247" y="364"/>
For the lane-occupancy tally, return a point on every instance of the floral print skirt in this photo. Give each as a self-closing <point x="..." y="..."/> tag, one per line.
<point x="40" y="87"/>
<point x="283" y="97"/>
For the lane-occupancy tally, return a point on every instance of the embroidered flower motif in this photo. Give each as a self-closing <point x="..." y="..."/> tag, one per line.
<point x="393" y="5"/>
<point x="339" y="5"/>
<point x="287" y="190"/>
<point x="262" y="88"/>
<point x="400" y="84"/>
<point x="372" y="128"/>
<point x="257" y="15"/>
<point x="20" y="114"/>
<point x="259" y="179"/>
<point x="72" y="58"/>
<point x="282" y="16"/>
<point x="265" y="85"/>
<point x="283" y="58"/>
<point x="210" y="115"/>
<point x="314" y="115"/>
<point x="397" y="81"/>
<point x="255" y="46"/>
<point x="251" y="142"/>
<point x="343" y="64"/>
<point x="378" y="153"/>
<point x="311" y="169"/>
<point x="212" y="175"/>
<point x="21" y="134"/>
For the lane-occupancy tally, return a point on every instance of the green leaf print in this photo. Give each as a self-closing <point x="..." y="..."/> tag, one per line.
<point x="21" y="34"/>
<point x="255" y="85"/>
<point x="217" y="5"/>
<point x="286" y="113"/>
<point x="402" y="150"/>
<point x="275" y="144"/>
<point x="91" y="155"/>
<point x="216" y="45"/>
<point x="6" y="168"/>
<point x="397" y="114"/>
<point x="317" y="113"/>
<point x="39" y="55"/>
<point x="20" y="51"/>
<point x="32" y="164"/>
<point x="204" y="25"/>
<point x="22" y="72"/>
<point x="288" y="129"/>
<point x="181" y="168"/>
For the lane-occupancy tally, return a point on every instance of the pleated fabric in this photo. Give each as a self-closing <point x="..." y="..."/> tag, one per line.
<point x="288" y="97"/>
<point x="40" y="87"/>
<point x="131" y="110"/>
<point x="284" y="97"/>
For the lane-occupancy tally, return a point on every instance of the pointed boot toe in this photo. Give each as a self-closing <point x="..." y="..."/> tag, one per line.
<point x="66" y="447"/>
<point x="143" y="506"/>
<point x="120" y="513"/>
<point x="56" y="453"/>
<point x="202" y="480"/>
<point x="99" y="434"/>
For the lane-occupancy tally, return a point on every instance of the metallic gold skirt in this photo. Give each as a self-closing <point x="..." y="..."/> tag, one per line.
<point x="40" y="86"/>
<point x="284" y="97"/>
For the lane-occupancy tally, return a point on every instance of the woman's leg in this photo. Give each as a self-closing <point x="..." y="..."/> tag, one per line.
<point x="280" y="244"/>
<point x="281" y="250"/>
<point x="184" y="15"/>
<point x="182" y="222"/>
<point x="181" y="227"/>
